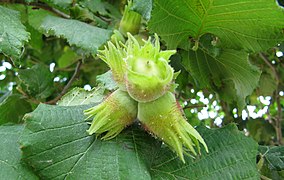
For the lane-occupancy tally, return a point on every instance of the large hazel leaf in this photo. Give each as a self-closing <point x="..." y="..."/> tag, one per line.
<point x="229" y="73"/>
<point x="77" y="33"/>
<point x="253" y="25"/>
<point x="231" y="155"/>
<point x="13" y="33"/>
<point x="56" y="144"/>
<point x="11" y="166"/>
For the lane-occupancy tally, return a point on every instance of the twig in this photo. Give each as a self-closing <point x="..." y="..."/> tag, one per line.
<point x="195" y="106"/>
<point x="45" y="7"/>
<point x="278" y="119"/>
<point x="266" y="60"/>
<point x="65" y="89"/>
<point x="31" y="99"/>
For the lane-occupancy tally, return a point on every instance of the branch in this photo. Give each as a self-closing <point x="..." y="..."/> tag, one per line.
<point x="195" y="106"/>
<point x="266" y="60"/>
<point x="31" y="99"/>
<point x="65" y="89"/>
<point x="45" y="7"/>
<point x="278" y="120"/>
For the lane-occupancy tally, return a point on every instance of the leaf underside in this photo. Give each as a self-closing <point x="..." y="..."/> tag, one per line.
<point x="230" y="74"/>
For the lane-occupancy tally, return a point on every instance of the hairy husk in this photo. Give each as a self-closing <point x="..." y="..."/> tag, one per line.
<point x="130" y="21"/>
<point x="113" y="55"/>
<point x="149" y="75"/>
<point x="144" y="77"/>
<point x="141" y="70"/>
<point x="112" y="115"/>
<point x="164" y="119"/>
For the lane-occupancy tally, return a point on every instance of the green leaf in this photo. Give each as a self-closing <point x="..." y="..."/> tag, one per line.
<point x="107" y="80"/>
<point x="70" y="153"/>
<point x="231" y="155"/>
<point x="274" y="156"/>
<point x="79" y="96"/>
<point x="37" y="81"/>
<point x="267" y="84"/>
<point x="260" y="130"/>
<point x="271" y="174"/>
<point x="143" y="7"/>
<point x="36" y="17"/>
<point x="253" y="25"/>
<point x="68" y="58"/>
<point x="12" y="108"/>
<point x="60" y="3"/>
<point x="11" y="166"/>
<point x="36" y="40"/>
<point x="13" y="33"/>
<point x="77" y="33"/>
<point x="101" y="7"/>
<point x="230" y="73"/>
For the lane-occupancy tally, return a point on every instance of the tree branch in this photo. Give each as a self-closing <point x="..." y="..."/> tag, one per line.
<point x="43" y="6"/>
<point x="65" y="89"/>
<point x="31" y="99"/>
<point x="266" y="60"/>
<point x="195" y="106"/>
<point x="278" y="119"/>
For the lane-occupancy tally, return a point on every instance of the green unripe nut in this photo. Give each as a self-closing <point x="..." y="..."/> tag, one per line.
<point x="145" y="81"/>
<point x="164" y="119"/>
<point x="130" y="21"/>
<point x="141" y="70"/>
<point x="112" y="115"/>
<point x="148" y="75"/>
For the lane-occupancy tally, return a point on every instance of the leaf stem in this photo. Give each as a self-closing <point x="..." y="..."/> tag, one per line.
<point x="65" y="89"/>
<point x="278" y="119"/>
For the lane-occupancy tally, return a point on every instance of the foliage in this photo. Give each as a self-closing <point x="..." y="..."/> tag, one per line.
<point x="229" y="56"/>
<point x="10" y="159"/>
<point x="13" y="33"/>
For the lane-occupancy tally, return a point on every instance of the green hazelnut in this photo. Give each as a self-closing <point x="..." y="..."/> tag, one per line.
<point x="165" y="120"/>
<point x="112" y="115"/>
